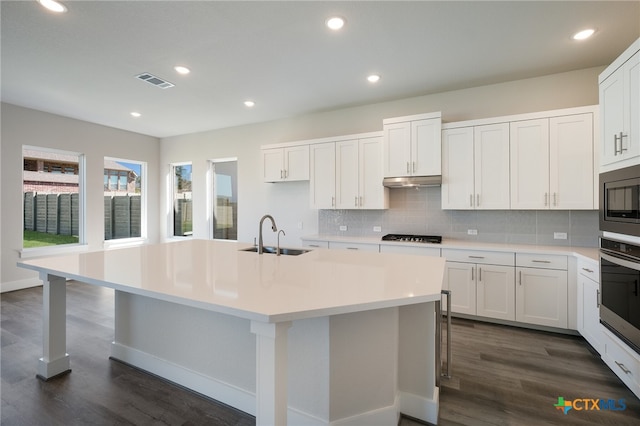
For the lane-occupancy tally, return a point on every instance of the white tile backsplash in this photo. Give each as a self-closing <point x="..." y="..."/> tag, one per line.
<point x="419" y="211"/>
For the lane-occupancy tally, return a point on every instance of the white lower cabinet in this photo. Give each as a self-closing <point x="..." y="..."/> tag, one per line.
<point x="622" y="360"/>
<point x="353" y="246"/>
<point x="314" y="244"/>
<point x="485" y="287"/>
<point x="541" y="290"/>
<point x="589" y="304"/>
<point x="420" y="251"/>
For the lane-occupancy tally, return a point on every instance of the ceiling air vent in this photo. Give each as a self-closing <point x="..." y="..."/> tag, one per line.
<point x="152" y="79"/>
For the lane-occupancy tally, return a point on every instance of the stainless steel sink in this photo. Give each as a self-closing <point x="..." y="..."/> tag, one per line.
<point x="273" y="250"/>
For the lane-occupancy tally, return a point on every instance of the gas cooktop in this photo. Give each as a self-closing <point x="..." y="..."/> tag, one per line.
<point x="430" y="239"/>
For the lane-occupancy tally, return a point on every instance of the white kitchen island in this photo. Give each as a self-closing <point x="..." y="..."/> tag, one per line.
<point x="329" y="337"/>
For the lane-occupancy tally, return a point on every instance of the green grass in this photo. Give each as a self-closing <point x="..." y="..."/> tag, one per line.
<point x="33" y="239"/>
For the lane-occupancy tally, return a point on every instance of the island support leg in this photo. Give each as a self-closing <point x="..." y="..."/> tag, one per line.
<point x="55" y="360"/>
<point x="271" y="372"/>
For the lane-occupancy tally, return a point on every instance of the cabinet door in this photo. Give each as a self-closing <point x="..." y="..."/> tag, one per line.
<point x="611" y="116"/>
<point x="372" y="195"/>
<point x="541" y="297"/>
<point x="296" y="163"/>
<point x="426" y="147"/>
<point x="457" y="189"/>
<point x="529" y="153"/>
<point x="496" y="292"/>
<point x="589" y="312"/>
<point x="571" y="162"/>
<point x="459" y="278"/>
<point x="491" y="166"/>
<point x="632" y="100"/>
<point x="322" y="185"/>
<point x="347" y="184"/>
<point x="272" y="165"/>
<point x="397" y="149"/>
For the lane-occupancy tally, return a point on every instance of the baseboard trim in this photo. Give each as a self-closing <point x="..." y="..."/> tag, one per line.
<point x="19" y="284"/>
<point x="226" y="393"/>
<point x="419" y="407"/>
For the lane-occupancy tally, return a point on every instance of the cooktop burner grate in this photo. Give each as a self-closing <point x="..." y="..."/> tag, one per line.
<point x="430" y="239"/>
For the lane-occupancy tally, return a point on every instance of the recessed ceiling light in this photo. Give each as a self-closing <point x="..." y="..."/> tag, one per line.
<point x="182" y="70"/>
<point x="335" y="23"/>
<point x="373" y="78"/>
<point x="53" y="6"/>
<point x="249" y="104"/>
<point x="584" y="34"/>
<point x="135" y="114"/>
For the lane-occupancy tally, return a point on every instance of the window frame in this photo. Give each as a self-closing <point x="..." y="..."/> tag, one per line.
<point x="143" y="205"/>
<point x="171" y="200"/>
<point x="210" y="199"/>
<point x="82" y="244"/>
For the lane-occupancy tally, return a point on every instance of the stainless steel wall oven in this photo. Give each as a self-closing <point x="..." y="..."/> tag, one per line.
<point x="620" y="290"/>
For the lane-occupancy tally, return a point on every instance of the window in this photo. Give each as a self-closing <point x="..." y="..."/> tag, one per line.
<point x="53" y="197"/>
<point x="224" y="196"/>
<point x="124" y="199"/>
<point x="182" y="206"/>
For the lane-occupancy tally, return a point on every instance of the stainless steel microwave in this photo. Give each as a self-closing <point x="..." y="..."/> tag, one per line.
<point x="620" y="201"/>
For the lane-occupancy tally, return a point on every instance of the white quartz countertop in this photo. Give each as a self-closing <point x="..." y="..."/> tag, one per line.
<point x="217" y="276"/>
<point x="584" y="252"/>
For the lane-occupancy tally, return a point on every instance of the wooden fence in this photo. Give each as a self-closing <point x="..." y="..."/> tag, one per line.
<point x="58" y="214"/>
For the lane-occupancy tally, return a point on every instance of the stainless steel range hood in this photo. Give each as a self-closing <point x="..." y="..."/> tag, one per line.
<point x="412" y="181"/>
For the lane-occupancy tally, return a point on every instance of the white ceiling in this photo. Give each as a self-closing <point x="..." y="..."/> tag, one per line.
<point x="82" y="64"/>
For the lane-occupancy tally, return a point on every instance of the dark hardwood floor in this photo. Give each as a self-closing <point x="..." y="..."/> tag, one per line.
<point x="501" y="376"/>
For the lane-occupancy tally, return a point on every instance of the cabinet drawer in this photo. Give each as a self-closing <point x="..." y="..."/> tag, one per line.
<point x="353" y="246"/>
<point x="315" y="244"/>
<point x="476" y="256"/>
<point x="589" y="269"/>
<point x="623" y="361"/>
<point x="421" y="251"/>
<point x="545" y="261"/>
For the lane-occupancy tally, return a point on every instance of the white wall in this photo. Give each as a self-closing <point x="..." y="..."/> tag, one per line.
<point x="288" y="202"/>
<point x="22" y="126"/>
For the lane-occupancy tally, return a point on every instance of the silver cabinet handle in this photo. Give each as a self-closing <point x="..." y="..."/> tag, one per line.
<point x="546" y="196"/>
<point x="615" y="145"/>
<point x="414" y="167"/>
<point x="520" y="277"/>
<point x="470" y="200"/>
<point x="622" y="149"/>
<point x="476" y="257"/>
<point x="540" y="261"/>
<point x="587" y="270"/>
<point x="360" y="201"/>
<point x="472" y="274"/>
<point x="555" y="199"/>
<point x="333" y="201"/>
<point x="286" y="174"/>
<point x="598" y="299"/>
<point x="314" y="245"/>
<point x="352" y="248"/>
<point x="479" y="274"/>
<point x="281" y="176"/>
<point x="477" y="200"/>
<point x="356" y="201"/>
<point x="623" y="368"/>
<point x="408" y="170"/>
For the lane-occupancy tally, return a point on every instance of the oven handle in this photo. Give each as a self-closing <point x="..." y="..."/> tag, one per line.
<point x="620" y="260"/>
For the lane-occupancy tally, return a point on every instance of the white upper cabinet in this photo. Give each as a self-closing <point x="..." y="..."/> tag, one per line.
<point x="285" y="164"/>
<point x="412" y="145"/>
<point x="620" y="110"/>
<point x="322" y="187"/>
<point x="475" y="167"/>
<point x="529" y="150"/>
<point x="347" y="174"/>
<point x="552" y="164"/>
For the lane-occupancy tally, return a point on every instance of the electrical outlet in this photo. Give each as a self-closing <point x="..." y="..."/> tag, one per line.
<point x="343" y="227"/>
<point x="472" y="232"/>
<point x="377" y="229"/>
<point x="559" y="235"/>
